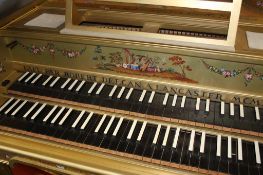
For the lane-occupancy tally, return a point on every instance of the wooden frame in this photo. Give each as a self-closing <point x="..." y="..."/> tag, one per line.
<point x="215" y="44"/>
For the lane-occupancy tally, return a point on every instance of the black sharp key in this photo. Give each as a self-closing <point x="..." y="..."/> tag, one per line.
<point x="38" y="121"/>
<point x="253" y="167"/>
<point x="124" y="141"/>
<point x="91" y="136"/>
<point x="214" y="160"/>
<point x="90" y="125"/>
<point x="116" y="139"/>
<point x="158" y="147"/>
<point x="184" y="156"/>
<point x="149" y="147"/>
<point x="250" y="117"/>
<point x="100" y="134"/>
<point x="243" y="165"/>
<point x="106" y="140"/>
<point x="168" y="111"/>
<point x="176" y="153"/>
<point x="65" y="131"/>
<point x="167" y="152"/>
<point x="16" y="123"/>
<point x="104" y="99"/>
<point x="181" y="113"/>
<point x="261" y="156"/>
<point x="134" y="100"/>
<point x="205" y="158"/>
<point x="140" y="145"/>
<point x="218" y="119"/>
<point x="73" y="133"/>
<point x="144" y="104"/>
<point x="223" y="164"/>
<point x="227" y="119"/>
<point x="233" y="163"/>
<point x="194" y="156"/>
<point x="158" y="104"/>
<point x="122" y="103"/>
<point x="132" y="142"/>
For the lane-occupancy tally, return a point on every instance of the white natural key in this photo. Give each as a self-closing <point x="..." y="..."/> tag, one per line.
<point x="117" y="127"/>
<point x="113" y="90"/>
<point x="35" y="79"/>
<point x="176" y="136"/>
<point x="241" y="110"/>
<point x="151" y="97"/>
<point x="6" y="103"/>
<point x="197" y="105"/>
<point x="129" y="94"/>
<point x="23" y="76"/>
<point x="100" y="88"/>
<point x="92" y="87"/>
<point x="207" y="105"/>
<point x="258" y="159"/>
<point x="78" y="119"/>
<point x="239" y="149"/>
<point x="165" y="99"/>
<point x="121" y="92"/>
<point x="218" y="146"/>
<point x="83" y="126"/>
<point x="229" y="147"/>
<point x="65" y="116"/>
<point x="174" y="100"/>
<point x="257" y="113"/>
<point x="12" y="106"/>
<point x="192" y="139"/>
<point x="30" y="110"/>
<point x="222" y="111"/>
<point x="19" y="107"/>
<point x="54" y="82"/>
<point x="30" y="77"/>
<point x="166" y="135"/>
<point x="65" y="83"/>
<point x="157" y="134"/>
<point x="183" y="102"/>
<point x="109" y="124"/>
<point x="232" y="109"/>
<point x="80" y="86"/>
<point x="50" y="113"/>
<point x="132" y="129"/>
<point x="57" y="115"/>
<point x="47" y="80"/>
<point x="100" y="123"/>
<point x="38" y="111"/>
<point x="142" y="95"/>
<point x="72" y="85"/>
<point x="141" y="131"/>
<point x="202" y="146"/>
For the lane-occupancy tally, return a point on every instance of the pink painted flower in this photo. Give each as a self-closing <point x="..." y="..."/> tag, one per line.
<point x="248" y="76"/>
<point x="226" y="73"/>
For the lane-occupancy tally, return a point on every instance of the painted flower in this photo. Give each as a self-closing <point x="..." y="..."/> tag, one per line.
<point x="177" y="60"/>
<point x="248" y="76"/>
<point x="227" y="73"/>
<point x="52" y="51"/>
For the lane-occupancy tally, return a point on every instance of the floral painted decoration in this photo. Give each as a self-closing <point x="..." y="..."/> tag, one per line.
<point x="129" y="62"/>
<point x="52" y="49"/>
<point x="248" y="73"/>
